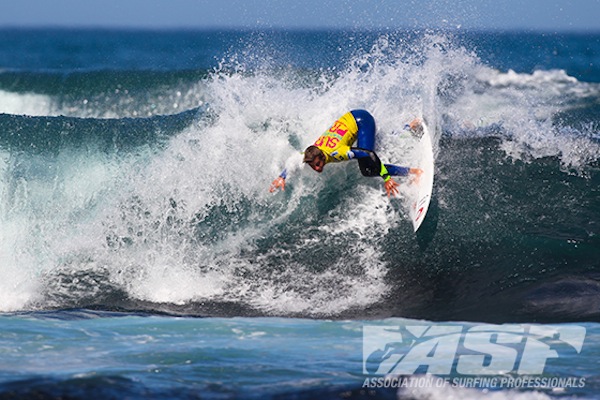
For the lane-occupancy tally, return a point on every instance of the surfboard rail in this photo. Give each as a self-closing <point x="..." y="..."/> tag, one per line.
<point x="425" y="184"/>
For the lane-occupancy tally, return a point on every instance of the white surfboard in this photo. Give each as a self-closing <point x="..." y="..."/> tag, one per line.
<point x="424" y="185"/>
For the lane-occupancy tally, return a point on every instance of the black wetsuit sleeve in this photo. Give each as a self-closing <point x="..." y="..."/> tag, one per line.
<point x="369" y="163"/>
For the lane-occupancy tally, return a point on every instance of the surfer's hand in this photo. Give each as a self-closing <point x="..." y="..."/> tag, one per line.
<point x="391" y="187"/>
<point x="417" y="174"/>
<point x="277" y="183"/>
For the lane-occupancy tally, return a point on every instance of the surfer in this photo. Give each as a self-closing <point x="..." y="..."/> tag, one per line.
<point x="335" y="145"/>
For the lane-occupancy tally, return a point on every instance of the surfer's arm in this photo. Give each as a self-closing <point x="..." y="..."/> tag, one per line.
<point x="362" y="153"/>
<point x="279" y="182"/>
<point x="293" y="163"/>
<point x="373" y="166"/>
<point x="385" y="169"/>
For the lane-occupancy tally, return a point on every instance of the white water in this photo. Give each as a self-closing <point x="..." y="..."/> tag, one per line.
<point x="25" y="104"/>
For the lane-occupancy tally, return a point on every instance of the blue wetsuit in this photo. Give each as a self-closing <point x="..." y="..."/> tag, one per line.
<point x="369" y="163"/>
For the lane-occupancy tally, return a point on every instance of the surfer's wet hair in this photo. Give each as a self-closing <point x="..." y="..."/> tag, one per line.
<point x="311" y="153"/>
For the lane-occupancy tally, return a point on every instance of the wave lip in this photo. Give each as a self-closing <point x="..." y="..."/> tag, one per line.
<point x="535" y="79"/>
<point x="102" y="94"/>
<point x="25" y="104"/>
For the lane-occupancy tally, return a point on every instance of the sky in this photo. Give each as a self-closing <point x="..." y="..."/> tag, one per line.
<point x="538" y="15"/>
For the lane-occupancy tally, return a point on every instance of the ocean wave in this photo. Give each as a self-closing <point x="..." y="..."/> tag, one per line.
<point x="25" y="104"/>
<point x="538" y="79"/>
<point x="101" y="94"/>
<point x="171" y="213"/>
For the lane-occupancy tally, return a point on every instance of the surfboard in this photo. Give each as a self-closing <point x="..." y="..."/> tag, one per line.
<point x="424" y="186"/>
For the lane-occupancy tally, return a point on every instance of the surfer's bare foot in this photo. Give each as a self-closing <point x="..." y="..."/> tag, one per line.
<point x="415" y="124"/>
<point x="416" y="127"/>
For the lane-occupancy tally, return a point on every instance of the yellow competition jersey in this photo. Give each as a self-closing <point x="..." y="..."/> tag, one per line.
<point x="335" y="143"/>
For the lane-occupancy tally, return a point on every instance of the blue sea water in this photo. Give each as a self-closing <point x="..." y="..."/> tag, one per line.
<point x="142" y="255"/>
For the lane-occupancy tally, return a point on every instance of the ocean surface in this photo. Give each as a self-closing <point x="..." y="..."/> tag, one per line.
<point x="142" y="255"/>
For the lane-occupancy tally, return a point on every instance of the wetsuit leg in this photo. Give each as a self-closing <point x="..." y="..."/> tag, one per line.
<point x="369" y="166"/>
<point x="366" y="129"/>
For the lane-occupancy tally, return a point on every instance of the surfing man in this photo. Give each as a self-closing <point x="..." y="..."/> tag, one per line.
<point x="335" y="145"/>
